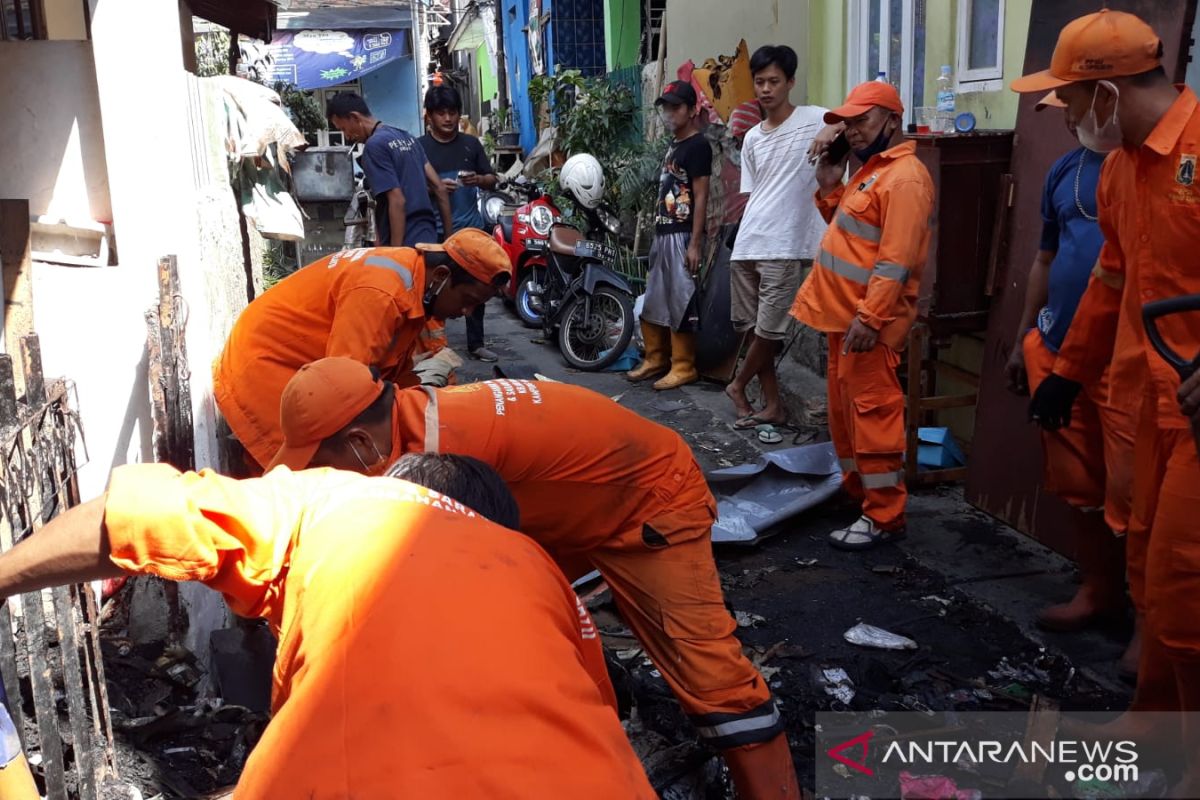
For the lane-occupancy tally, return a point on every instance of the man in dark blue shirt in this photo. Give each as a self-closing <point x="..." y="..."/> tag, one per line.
<point x="1088" y="463"/>
<point x="398" y="175"/>
<point x="459" y="159"/>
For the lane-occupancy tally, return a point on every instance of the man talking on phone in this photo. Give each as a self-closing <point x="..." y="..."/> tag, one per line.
<point x="862" y="293"/>
<point x="460" y="161"/>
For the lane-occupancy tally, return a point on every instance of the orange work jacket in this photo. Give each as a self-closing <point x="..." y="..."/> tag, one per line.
<point x="364" y="304"/>
<point x="423" y="651"/>
<point x="585" y="471"/>
<point x="1149" y="202"/>
<point x="873" y="253"/>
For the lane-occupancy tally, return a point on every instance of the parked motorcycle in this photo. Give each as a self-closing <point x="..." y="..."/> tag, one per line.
<point x="522" y="228"/>
<point x="579" y="293"/>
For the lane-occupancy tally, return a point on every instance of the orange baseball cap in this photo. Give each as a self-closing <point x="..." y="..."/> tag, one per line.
<point x="863" y="98"/>
<point x="1049" y="101"/>
<point x="321" y="399"/>
<point x="474" y="251"/>
<point x="1107" y="44"/>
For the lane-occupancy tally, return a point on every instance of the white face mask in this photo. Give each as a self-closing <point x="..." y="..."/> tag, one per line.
<point x="1094" y="137"/>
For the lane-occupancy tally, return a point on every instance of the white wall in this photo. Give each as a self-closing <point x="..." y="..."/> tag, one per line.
<point x="700" y="29"/>
<point x="51" y="130"/>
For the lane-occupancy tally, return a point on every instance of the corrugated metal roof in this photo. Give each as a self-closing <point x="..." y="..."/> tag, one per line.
<point x="347" y="18"/>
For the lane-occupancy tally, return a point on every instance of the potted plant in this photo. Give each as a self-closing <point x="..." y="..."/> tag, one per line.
<point x="506" y="137"/>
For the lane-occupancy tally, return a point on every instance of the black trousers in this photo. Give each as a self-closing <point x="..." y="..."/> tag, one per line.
<point x="475" y="328"/>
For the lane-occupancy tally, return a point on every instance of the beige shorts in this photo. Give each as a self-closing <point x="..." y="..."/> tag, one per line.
<point x="761" y="294"/>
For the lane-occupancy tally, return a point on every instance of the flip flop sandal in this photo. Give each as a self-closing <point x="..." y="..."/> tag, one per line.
<point x="863" y="540"/>
<point x="768" y="435"/>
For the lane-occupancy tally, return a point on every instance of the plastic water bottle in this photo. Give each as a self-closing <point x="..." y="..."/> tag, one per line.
<point x="881" y="77"/>
<point x="945" y="101"/>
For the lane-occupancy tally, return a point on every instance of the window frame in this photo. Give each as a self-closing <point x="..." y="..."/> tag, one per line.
<point x="964" y="74"/>
<point x="858" y="46"/>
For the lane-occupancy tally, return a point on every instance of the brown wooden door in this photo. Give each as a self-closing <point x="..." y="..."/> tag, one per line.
<point x="1004" y="478"/>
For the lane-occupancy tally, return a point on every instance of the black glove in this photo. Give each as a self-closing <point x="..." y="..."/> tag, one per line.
<point x="1051" y="403"/>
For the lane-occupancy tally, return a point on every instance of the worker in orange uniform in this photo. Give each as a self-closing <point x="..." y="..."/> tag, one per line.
<point x="389" y="681"/>
<point x="862" y="293"/>
<point x="614" y="492"/>
<point x="1106" y="67"/>
<point x="1089" y="464"/>
<point x="369" y="304"/>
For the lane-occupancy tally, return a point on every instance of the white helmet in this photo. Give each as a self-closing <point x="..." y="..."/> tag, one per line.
<point x="583" y="177"/>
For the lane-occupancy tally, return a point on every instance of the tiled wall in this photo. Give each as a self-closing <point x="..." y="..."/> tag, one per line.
<point x="578" y="31"/>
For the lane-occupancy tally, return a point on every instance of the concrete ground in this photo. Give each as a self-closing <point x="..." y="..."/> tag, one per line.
<point x="963" y="585"/>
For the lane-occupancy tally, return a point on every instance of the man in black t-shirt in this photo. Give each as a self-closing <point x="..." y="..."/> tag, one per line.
<point x="669" y="316"/>
<point x="463" y="167"/>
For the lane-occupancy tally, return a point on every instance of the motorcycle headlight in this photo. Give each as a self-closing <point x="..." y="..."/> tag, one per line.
<point x="542" y="220"/>
<point x="491" y="210"/>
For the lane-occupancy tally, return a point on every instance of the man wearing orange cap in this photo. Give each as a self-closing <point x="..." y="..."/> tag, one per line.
<point x="1106" y="68"/>
<point x="369" y="304"/>
<point x="351" y="572"/>
<point x="862" y="293"/>
<point x="617" y="493"/>
<point x="1088" y="463"/>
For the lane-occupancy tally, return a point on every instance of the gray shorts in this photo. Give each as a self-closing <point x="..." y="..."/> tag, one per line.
<point x="762" y="293"/>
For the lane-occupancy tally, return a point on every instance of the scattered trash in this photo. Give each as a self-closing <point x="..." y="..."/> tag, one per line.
<point x="836" y="683"/>
<point x="174" y="751"/>
<point x="933" y="787"/>
<point x="1021" y="674"/>
<point x="540" y="377"/>
<point x="630" y="654"/>
<point x="616" y="398"/>
<point x="806" y="562"/>
<point x="747" y="620"/>
<point x="935" y="599"/>
<point x="768" y="435"/>
<point x="865" y="635"/>
<point x="747" y="580"/>
<point x="840" y="769"/>
<point x="885" y="569"/>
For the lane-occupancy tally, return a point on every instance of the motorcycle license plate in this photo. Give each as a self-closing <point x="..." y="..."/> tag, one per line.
<point x="535" y="244"/>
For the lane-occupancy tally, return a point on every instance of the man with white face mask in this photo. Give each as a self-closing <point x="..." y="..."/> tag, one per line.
<point x="1089" y="462"/>
<point x="1106" y="68"/>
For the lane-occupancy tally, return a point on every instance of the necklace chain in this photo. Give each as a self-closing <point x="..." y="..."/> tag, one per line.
<point x="1078" y="203"/>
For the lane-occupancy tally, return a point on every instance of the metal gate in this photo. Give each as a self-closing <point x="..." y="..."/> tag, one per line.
<point x="50" y="664"/>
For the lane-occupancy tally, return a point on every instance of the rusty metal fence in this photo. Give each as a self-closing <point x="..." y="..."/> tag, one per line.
<point x="50" y="664"/>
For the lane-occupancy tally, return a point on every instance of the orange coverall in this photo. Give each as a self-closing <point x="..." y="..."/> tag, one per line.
<point x="1089" y="463"/>
<point x="600" y="486"/>
<point x="391" y="680"/>
<point x="869" y="267"/>
<point x="1150" y="215"/>
<point x="364" y="304"/>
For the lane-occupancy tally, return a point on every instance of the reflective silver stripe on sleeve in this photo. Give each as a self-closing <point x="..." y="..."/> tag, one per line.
<point x="896" y="272"/>
<point x="863" y="230"/>
<point x="432" y="431"/>
<point x="737" y="726"/>
<point x="881" y="480"/>
<point x="848" y="464"/>
<point x="394" y="266"/>
<point x="846" y="269"/>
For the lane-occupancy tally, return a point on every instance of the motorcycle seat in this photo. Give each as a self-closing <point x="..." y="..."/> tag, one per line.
<point x="563" y="239"/>
<point x="506" y="227"/>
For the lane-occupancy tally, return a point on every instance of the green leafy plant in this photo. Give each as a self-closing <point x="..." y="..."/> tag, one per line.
<point x="302" y="106"/>
<point x="500" y="119"/>
<point x="212" y="54"/>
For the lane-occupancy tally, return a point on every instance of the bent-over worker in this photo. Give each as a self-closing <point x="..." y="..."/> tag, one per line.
<point x="597" y="486"/>
<point x="369" y="304"/>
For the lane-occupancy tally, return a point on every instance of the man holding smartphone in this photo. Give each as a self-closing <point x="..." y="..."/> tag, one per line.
<point x="460" y="161"/>
<point x="862" y="293"/>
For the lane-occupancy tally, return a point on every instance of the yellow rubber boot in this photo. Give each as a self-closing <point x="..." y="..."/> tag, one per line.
<point x="683" y="362"/>
<point x="658" y="353"/>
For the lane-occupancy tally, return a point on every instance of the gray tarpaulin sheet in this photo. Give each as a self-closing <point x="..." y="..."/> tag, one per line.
<point x="753" y="497"/>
